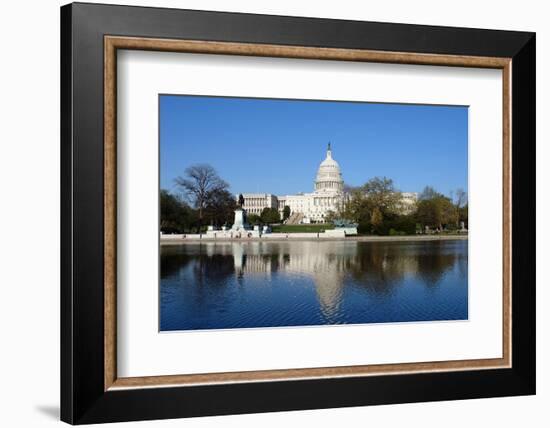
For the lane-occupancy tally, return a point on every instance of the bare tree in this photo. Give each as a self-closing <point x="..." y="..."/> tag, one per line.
<point x="200" y="185"/>
<point x="460" y="197"/>
<point x="430" y="193"/>
<point x="460" y="200"/>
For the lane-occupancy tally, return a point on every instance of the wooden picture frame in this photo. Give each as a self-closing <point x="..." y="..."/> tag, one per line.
<point x="91" y="390"/>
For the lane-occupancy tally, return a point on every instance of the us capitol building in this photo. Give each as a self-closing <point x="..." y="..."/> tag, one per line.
<point x="328" y="196"/>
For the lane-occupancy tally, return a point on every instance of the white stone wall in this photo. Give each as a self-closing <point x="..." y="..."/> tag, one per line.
<point x="314" y="206"/>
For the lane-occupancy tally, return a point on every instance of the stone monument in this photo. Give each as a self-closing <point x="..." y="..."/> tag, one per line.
<point x="240" y="221"/>
<point x="240" y="228"/>
<point x="239" y="224"/>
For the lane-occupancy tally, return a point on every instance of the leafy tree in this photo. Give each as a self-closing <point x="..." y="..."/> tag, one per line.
<point x="449" y="213"/>
<point x="201" y="185"/>
<point x="175" y="215"/>
<point x="373" y="205"/>
<point x="286" y="212"/>
<point x="435" y="209"/>
<point x="270" y="215"/>
<point x="220" y="208"/>
<point x="425" y="213"/>
<point x="402" y="224"/>
<point x="357" y="207"/>
<point x="254" y="219"/>
<point x="382" y="194"/>
<point x="376" y="219"/>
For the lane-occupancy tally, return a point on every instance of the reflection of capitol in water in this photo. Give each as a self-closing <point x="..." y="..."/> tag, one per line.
<point x="377" y="267"/>
<point x="322" y="265"/>
<point x="208" y="285"/>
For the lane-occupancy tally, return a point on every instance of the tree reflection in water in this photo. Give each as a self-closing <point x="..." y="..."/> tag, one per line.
<point x="341" y="272"/>
<point x="381" y="266"/>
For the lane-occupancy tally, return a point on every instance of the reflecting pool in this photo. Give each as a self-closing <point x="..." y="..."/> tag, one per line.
<point x="220" y="285"/>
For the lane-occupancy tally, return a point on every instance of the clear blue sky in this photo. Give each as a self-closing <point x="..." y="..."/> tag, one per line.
<point x="275" y="146"/>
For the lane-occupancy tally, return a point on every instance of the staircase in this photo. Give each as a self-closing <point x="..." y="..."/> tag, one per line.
<point x="295" y="218"/>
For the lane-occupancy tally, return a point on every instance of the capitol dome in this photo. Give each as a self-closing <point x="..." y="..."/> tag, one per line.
<point x="329" y="177"/>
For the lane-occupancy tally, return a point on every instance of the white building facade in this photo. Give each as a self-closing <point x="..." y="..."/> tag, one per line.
<point x="408" y="202"/>
<point x="254" y="203"/>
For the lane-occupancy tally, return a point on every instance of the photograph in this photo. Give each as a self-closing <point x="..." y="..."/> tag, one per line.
<point x="292" y="213"/>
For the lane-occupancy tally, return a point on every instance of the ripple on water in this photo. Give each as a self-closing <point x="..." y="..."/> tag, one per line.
<point x="304" y="283"/>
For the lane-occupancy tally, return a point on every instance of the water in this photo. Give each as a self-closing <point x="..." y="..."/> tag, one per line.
<point x="300" y="283"/>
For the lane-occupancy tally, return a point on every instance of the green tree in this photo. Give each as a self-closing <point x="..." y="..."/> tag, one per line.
<point x="286" y="212"/>
<point x="373" y="206"/>
<point x="357" y="207"/>
<point x="270" y="215"/>
<point x="426" y="213"/>
<point x="201" y="185"/>
<point x="435" y="209"/>
<point x="175" y="215"/>
<point x="382" y="194"/>
<point x="376" y="220"/>
<point x="220" y="209"/>
<point x="254" y="219"/>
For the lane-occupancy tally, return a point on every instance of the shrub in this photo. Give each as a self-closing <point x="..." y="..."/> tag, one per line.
<point x="405" y="225"/>
<point x="394" y="232"/>
<point x="253" y="219"/>
<point x="270" y="215"/>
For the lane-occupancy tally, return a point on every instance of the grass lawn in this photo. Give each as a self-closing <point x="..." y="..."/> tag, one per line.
<point x="302" y="228"/>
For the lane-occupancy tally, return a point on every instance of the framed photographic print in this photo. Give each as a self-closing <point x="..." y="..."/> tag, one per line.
<point x="265" y="213"/>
